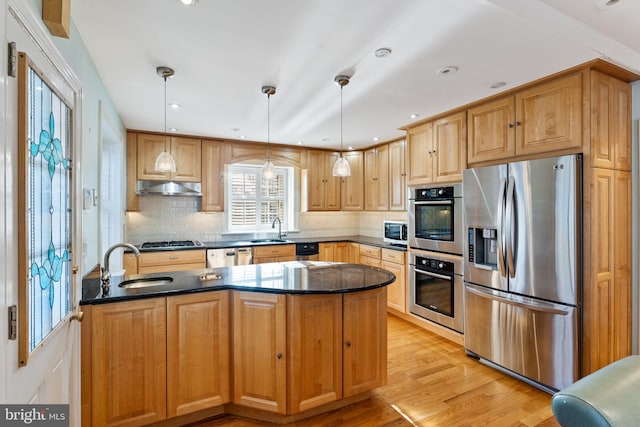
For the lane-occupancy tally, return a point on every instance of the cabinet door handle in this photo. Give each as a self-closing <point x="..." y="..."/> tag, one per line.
<point x="279" y="355"/>
<point x="348" y="343"/>
<point x="434" y="152"/>
<point x="510" y="125"/>
<point x="518" y="123"/>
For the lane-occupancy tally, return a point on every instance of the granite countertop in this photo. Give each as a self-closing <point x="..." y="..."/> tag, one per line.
<point x="237" y="243"/>
<point x="293" y="277"/>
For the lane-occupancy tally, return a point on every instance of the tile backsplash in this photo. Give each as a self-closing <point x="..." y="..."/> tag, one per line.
<point x="179" y="218"/>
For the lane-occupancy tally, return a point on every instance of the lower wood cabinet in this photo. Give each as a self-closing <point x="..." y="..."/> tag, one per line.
<point x="198" y="364"/>
<point x="315" y="351"/>
<point x="365" y="341"/>
<point x="152" y="359"/>
<point x="259" y="351"/>
<point x="394" y="261"/>
<point x="274" y="253"/>
<point x="127" y="363"/>
<point x="158" y="262"/>
<point x="148" y="360"/>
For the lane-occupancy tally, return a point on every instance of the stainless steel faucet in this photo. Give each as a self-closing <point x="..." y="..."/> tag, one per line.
<point x="105" y="275"/>
<point x="273" y="225"/>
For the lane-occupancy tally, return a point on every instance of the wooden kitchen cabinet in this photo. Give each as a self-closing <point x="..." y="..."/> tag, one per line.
<point x="376" y="170"/>
<point x="157" y="262"/>
<point x="198" y="353"/>
<point x="212" y="176"/>
<point x="437" y="150"/>
<point x="274" y="253"/>
<point x="315" y="351"/>
<point x="397" y="176"/>
<point x="340" y="252"/>
<point x="260" y="351"/>
<point x="364" y="341"/>
<point x="326" y="252"/>
<point x="610" y="118"/>
<point x="185" y="151"/>
<point x="544" y="118"/>
<point x="323" y="189"/>
<point x="352" y="187"/>
<point x="369" y="255"/>
<point x="128" y="365"/>
<point x="394" y="261"/>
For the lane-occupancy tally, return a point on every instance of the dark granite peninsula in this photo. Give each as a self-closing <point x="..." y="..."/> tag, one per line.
<point x="276" y="342"/>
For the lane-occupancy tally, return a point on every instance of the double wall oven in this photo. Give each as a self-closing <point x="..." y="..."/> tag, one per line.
<point x="436" y="241"/>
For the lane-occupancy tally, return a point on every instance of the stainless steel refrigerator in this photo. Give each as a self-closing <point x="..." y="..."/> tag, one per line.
<point x="523" y="282"/>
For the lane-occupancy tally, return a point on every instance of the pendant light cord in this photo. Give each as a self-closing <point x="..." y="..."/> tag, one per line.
<point x="165" y="113"/>
<point x="341" y="121"/>
<point x="268" y="124"/>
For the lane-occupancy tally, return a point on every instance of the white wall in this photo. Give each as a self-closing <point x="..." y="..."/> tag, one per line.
<point x="75" y="53"/>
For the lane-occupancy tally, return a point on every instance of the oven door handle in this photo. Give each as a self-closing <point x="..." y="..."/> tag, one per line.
<point x="436" y="275"/>
<point x="434" y="202"/>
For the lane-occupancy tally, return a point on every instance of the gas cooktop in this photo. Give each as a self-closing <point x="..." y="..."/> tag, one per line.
<point x="170" y="244"/>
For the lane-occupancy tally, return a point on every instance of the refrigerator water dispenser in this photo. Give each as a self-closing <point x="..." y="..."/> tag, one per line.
<point x="483" y="247"/>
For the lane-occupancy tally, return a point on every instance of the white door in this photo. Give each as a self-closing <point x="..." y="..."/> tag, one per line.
<point x="52" y="373"/>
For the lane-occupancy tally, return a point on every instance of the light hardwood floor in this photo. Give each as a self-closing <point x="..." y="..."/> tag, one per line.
<point x="431" y="382"/>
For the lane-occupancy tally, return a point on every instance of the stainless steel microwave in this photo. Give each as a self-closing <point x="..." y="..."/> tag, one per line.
<point x="395" y="232"/>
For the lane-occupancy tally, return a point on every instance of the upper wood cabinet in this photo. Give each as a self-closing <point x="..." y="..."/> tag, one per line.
<point x="185" y="151"/>
<point x="260" y="351"/>
<point x="323" y="189"/>
<point x="541" y="119"/>
<point x="437" y="150"/>
<point x="397" y="176"/>
<point x="212" y="176"/>
<point x="352" y="187"/>
<point x="610" y="119"/>
<point x="376" y="170"/>
<point x="198" y="361"/>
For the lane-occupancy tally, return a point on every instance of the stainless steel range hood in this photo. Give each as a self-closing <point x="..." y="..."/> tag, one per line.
<point x="169" y="188"/>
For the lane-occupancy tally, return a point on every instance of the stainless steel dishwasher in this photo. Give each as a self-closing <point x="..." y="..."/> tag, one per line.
<point x="229" y="256"/>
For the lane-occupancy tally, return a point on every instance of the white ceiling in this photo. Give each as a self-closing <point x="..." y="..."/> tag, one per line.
<point x="224" y="51"/>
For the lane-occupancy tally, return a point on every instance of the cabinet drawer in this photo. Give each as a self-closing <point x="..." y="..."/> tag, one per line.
<point x="392" y="256"/>
<point x="370" y="251"/>
<point x="371" y="262"/>
<point x="274" y="251"/>
<point x="166" y="259"/>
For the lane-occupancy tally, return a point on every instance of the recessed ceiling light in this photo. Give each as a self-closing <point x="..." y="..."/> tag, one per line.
<point x="496" y="85"/>
<point x="607" y="4"/>
<point x="414" y="115"/>
<point x="235" y="129"/>
<point x="445" y="71"/>
<point x="174" y="105"/>
<point x="375" y="138"/>
<point x="383" y="52"/>
<point x="173" y="130"/>
<point x="300" y="142"/>
<point x="242" y="137"/>
<point x="189" y="2"/>
<point x="350" y="148"/>
<point x="326" y="139"/>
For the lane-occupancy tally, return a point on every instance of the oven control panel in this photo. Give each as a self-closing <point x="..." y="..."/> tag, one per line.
<point x="434" y="193"/>
<point x="434" y="265"/>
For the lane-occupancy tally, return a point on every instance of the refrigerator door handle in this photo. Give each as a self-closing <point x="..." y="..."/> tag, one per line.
<point x="514" y="300"/>
<point x="510" y="227"/>
<point x="501" y="237"/>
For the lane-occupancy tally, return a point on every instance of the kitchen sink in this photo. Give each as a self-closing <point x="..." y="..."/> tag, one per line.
<point x="269" y="241"/>
<point x="143" y="283"/>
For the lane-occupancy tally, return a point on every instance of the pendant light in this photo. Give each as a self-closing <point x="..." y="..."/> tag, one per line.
<point x="268" y="170"/>
<point x="341" y="167"/>
<point x="165" y="161"/>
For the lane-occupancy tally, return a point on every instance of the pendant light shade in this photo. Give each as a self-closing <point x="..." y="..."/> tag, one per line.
<point x="165" y="161"/>
<point x="268" y="170"/>
<point x="341" y="167"/>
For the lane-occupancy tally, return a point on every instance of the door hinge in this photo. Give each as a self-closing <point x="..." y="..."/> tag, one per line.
<point x="12" y="60"/>
<point x="13" y="322"/>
